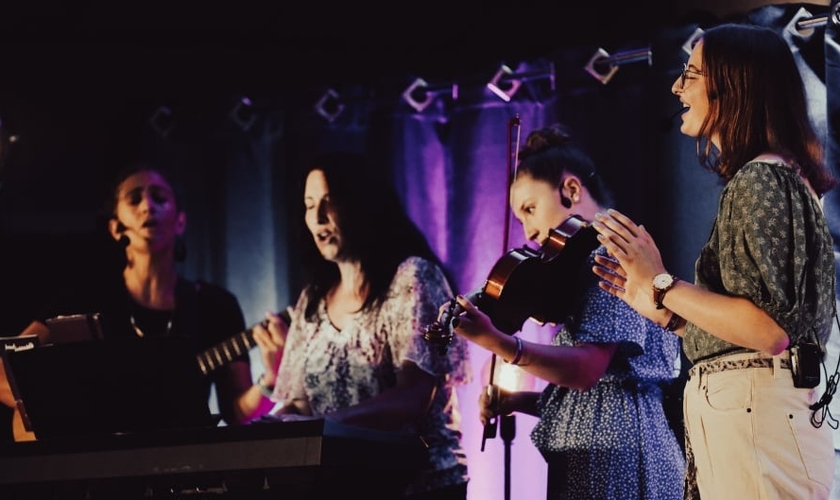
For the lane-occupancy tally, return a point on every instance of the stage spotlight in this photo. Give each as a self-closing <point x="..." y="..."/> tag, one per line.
<point x="800" y="24"/>
<point x="417" y="95"/>
<point x="242" y="113"/>
<point x="807" y="22"/>
<point x="6" y="141"/>
<point x="602" y="66"/>
<point x="504" y="78"/>
<point x="329" y="106"/>
<point x="688" y="45"/>
<point x="162" y="121"/>
<point x="420" y="93"/>
<point x="596" y="67"/>
<point x="835" y="14"/>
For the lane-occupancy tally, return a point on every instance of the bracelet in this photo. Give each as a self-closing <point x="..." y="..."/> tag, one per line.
<point x="265" y="390"/>
<point x="675" y="323"/>
<point x="518" y="356"/>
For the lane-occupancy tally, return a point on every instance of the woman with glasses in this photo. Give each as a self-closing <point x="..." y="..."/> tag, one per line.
<point x="761" y="304"/>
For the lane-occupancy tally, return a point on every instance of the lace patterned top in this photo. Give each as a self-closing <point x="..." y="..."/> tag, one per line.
<point x="335" y="369"/>
<point x="770" y="243"/>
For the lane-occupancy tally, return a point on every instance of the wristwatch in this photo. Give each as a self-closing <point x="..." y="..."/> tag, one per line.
<point x="661" y="284"/>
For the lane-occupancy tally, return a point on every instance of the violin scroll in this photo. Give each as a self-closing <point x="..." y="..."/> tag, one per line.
<point x="439" y="332"/>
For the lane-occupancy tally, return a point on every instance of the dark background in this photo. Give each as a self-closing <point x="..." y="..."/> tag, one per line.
<point x="261" y="46"/>
<point x="79" y="81"/>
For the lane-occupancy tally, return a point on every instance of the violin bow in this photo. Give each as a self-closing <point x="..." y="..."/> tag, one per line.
<point x="514" y="124"/>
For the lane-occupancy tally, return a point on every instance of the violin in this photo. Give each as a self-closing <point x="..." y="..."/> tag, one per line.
<point x="544" y="285"/>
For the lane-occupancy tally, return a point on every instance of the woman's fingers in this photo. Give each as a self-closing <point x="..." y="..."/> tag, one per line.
<point x="277" y="328"/>
<point x="270" y="334"/>
<point x="466" y="305"/>
<point x="262" y="337"/>
<point x="619" y="222"/>
<point x="611" y="274"/>
<point x="616" y="226"/>
<point x="486" y="404"/>
<point x="610" y="264"/>
<point x="448" y="310"/>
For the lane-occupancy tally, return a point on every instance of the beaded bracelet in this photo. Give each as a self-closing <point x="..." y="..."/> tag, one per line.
<point x="518" y="356"/>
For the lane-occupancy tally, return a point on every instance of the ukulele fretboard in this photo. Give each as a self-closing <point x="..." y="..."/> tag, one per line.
<point x="225" y="352"/>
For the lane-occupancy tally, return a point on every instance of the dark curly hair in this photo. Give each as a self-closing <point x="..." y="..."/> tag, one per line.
<point x="550" y="152"/>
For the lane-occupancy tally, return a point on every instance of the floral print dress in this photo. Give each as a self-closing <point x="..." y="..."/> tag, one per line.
<point x="334" y="369"/>
<point x="613" y="441"/>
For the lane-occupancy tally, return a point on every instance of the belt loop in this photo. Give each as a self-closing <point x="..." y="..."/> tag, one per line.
<point x="777" y="366"/>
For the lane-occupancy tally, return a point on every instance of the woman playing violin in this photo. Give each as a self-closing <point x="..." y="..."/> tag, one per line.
<point x="602" y="428"/>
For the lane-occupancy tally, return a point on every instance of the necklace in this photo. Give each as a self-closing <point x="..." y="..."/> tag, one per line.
<point x="140" y="333"/>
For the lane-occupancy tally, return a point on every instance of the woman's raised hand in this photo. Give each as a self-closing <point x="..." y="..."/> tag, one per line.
<point x="633" y="261"/>
<point x="270" y="336"/>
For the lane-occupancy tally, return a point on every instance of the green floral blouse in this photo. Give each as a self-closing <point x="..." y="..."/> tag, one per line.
<point x="770" y="243"/>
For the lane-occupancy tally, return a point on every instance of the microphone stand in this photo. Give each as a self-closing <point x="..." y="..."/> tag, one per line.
<point x="507" y="430"/>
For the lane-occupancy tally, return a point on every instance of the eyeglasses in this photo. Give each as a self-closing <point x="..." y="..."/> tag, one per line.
<point x="684" y="75"/>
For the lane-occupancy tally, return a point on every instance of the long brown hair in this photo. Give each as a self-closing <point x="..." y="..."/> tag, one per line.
<point x="757" y="104"/>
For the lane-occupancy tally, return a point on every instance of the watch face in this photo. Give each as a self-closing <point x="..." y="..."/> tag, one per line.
<point x="661" y="281"/>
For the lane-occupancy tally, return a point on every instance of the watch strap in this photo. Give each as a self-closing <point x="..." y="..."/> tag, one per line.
<point x="659" y="293"/>
<point x="675" y="323"/>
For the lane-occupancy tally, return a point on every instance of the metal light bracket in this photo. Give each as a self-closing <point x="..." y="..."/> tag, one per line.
<point x="601" y="76"/>
<point x="688" y="45"/>
<point x="410" y="94"/>
<point x="161" y="121"/>
<point x="243" y="114"/>
<point x="514" y="84"/>
<point x="329" y="106"/>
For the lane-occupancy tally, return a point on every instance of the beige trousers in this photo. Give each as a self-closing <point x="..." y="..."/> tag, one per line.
<point x="752" y="437"/>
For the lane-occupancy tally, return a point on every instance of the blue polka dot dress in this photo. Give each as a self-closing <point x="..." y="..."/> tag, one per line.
<point x="613" y="440"/>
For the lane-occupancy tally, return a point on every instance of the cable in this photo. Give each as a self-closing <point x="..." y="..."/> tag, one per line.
<point x="821" y="409"/>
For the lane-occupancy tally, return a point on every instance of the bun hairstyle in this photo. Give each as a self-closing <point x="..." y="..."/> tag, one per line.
<point x="542" y="139"/>
<point x="550" y="154"/>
